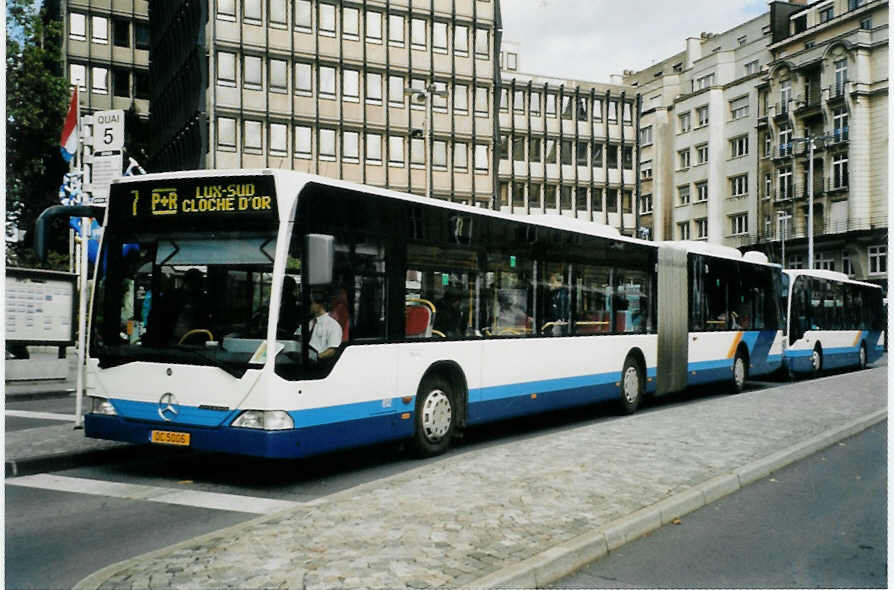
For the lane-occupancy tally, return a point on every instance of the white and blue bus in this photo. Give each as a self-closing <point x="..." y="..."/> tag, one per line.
<point x="833" y="321"/>
<point x="451" y="316"/>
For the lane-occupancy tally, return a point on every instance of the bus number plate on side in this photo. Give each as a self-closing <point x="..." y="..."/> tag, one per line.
<point x="166" y="437"/>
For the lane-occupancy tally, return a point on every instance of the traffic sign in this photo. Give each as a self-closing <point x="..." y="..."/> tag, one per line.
<point x="108" y="130"/>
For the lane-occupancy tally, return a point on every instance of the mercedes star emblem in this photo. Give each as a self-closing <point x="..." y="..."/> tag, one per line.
<point x="167" y="407"/>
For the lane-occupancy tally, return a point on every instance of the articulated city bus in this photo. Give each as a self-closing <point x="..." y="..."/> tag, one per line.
<point x="211" y="286"/>
<point x="833" y="321"/>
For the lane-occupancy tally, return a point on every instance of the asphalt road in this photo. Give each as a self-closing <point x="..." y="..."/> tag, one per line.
<point x="820" y="522"/>
<point x="63" y="404"/>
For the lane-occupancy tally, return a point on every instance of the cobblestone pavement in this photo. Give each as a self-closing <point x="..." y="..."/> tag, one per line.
<point x="457" y="520"/>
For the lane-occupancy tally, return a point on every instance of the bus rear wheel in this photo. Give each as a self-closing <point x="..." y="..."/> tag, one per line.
<point x="633" y="384"/>
<point x="862" y="360"/>
<point x="816" y="361"/>
<point x="435" y="417"/>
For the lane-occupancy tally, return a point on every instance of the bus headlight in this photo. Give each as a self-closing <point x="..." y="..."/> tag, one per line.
<point x="264" y="420"/>
<point x="101" y="405"/>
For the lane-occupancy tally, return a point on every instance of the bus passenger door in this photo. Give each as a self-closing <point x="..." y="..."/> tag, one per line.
<point x="673" y="319"/>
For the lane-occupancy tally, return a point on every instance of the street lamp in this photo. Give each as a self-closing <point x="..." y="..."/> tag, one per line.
<point x="811" y="145"/>
<point x="425" y="95"/>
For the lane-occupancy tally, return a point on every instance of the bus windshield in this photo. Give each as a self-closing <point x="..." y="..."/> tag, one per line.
<point x="185" y="298"/>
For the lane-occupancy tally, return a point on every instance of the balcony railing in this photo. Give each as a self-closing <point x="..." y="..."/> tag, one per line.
<point x="837" y="91"/>
<point x="838" y="135"/>
<point x="812" y="99"/>
<point x="822" y="226"/>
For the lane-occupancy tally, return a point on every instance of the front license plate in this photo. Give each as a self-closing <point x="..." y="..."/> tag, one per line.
<point x="166" y="437"/>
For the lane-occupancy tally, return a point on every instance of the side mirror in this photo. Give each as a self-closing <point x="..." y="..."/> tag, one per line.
<point x="50" y="213"/>
<point x="320" y="251"/>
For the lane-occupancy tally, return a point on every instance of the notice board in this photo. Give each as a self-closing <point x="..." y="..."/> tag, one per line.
<point x="40" y="306"/>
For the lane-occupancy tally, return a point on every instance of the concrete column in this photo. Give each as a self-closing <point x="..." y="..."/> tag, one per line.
<point x="717" y="188"/>
<point x="662" y="175"/>
<point x="859" y="205"/>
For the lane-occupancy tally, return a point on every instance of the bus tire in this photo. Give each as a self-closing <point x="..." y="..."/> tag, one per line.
<point x="740" y="371"/>
<point x="816" y="361"/>
<point x="435" y="417"/>
<point x="633" y="384"/>
<point x="861" y="363"/>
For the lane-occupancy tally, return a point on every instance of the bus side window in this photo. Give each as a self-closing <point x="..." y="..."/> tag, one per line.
<point x="592" y="300"/>
<point x="631" y="301"/>
<point x="508" y="297"/>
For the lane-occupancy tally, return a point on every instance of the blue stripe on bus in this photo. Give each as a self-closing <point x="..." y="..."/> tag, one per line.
<point x="799" y="360"/>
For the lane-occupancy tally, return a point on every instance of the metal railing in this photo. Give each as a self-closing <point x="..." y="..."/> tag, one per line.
<point x="823" y="226"/>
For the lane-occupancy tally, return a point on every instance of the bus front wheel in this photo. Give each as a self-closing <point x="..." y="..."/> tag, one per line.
<point x="435" y="417"/>
<point x="632" y="385"/>
<point x="816" y="361"/>
<point x="862" y="360"/>
<point x="740" y="371"/>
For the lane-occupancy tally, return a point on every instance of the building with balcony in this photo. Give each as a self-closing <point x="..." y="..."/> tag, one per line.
<point x="827" y="80"/>
<point x="568" y="148"/>
<point x="332" y="88"/>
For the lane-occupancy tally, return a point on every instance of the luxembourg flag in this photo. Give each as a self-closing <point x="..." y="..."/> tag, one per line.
<point x="68" y="143"/>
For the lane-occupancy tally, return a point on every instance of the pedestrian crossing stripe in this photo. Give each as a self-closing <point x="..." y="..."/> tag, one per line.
<point x="40" y="415"/>
<point x="129" y="491"/>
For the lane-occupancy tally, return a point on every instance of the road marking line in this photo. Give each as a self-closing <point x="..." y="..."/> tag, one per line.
<point x="129" y="491"/>
<point x="41" y="415"/>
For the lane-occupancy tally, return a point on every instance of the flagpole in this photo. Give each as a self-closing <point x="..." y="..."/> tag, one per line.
<point x="82" y="300"/>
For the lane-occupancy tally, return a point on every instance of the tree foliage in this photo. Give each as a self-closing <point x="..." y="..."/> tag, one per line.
<point x="37" y="96"/>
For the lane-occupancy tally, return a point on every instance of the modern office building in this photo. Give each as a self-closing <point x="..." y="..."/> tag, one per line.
<point x="827" y="85"/>
<point x="568" y="147"/>
<point x="348" y="90"/>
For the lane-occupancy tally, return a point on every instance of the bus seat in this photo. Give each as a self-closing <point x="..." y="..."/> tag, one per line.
<point x="419" y="315"/>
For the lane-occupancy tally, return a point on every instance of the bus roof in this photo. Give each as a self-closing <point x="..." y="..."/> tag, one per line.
<point x="289" y="178"/>
<point x="830" y="275"/>
<point x="719" y="251"/>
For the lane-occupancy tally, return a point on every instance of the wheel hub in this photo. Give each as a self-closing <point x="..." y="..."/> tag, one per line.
<point x="631" y="384"/>
<point x="437" y="415"/>
<point x="739" y="372"/>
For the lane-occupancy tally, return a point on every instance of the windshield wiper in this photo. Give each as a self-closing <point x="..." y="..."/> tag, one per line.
<point x="236" y="370"/>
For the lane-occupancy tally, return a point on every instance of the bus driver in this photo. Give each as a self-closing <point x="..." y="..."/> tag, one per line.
<point x="325" y="331"/>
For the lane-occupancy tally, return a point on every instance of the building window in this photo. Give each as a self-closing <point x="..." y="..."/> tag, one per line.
<point x="374" y="87"/>
<point x="752" y="67"/>
<point x="685" y="122"/>
<point x="251" y="74"/>
<point x="598" y="155"/>
<point x="627" y="157"/>
<point x="252" y="136"/>
<point x="739" y="108"/>
<point x="785" y="95"/>
<point x="701" y="153"/>
<point x="417" y="151"/>
<point x="327" y="82"/>
<point x="645" y="135"/>
<point x="461" y="98"/>
<point x="645" y="204"/>
<point x="277" y="12"/>
<point x="482" y="42"/>
<point x="582" y="156"/>
<point x="481" y="163"/>
<point x="739" y="224"/>
<point x="866" y="25"/>
<point x="438" y="102"/>
<point x="550" y="157"/>
<point x="302" y="141"/>
<point x="611" y="156"/>
<point x="784" y="185"/>
<point x="141" y="84"/>
<point x="226" y="132"/>
<point x="504" y="100"/>
<point x="518" y="149"/>
<point x="534" y="106"/>
<point x="374" y="147"/>
<point x="839" y="171"/>
<point x="551" y="104"/>
<point x="327" y="144"/>
<point x="395" y="150"/>
<point x="100" y="80"/>
<point x="396" y="90"/>
<point x="785" y="141"/>
<point x="511" y="61"/>
<point x="518" y="101"/>
<point x="701" y="229"/>
<point x="461" y="40"/>
<point x="460" y="156"/>
<point x="417" y="32"/>
<point x="612" y="111"/>
<point x="645" y="171"/>
<point x="768" y="145"/>
<point x="303" y="78"/>
<point x="99" y="26"/>
<point x="566" y="108"/>
<point x="77" y="26"/>
<point x="839" y="124"/>
<point x="611" y="200"/>
<point x="565" y="152"/>
<point x="581" y="108"/>
<point x="303" y="14"/>
<point x="738" y="146"/>
<point x="251" y="10"/>
<point x="226" y="68"/>
<point x="683" y="230"/>
<point x="703" y="82"/>
<point x="683" y="194"/>
<point x="439" y="153"/>
<point x="226" y="9"/>
<point x="701" y="115"/>
<point x="739" y="185"/>
<point x="327" y="19"/>
<point x="396" y="29"/>
<point x="847" y="267"/>
<point x="701" y="192"/>
<point x="350" y="145"/>
<point x="350" y="22"/>
<point x="141" y="35"/>
<point x="826" y="14"/>
<point x="840" y="76"/>
<point x="278" y="77"/>
<point x="121" y="82"/>
<point x="628" y="113"/>
<point x="768" y="186"/>
<point x="439" y="35"/>
<point x="374" y="26"/>
<point x="742" y="40"/>
<point x="824" y="261"/>
<point x="121" y="32"/>
<point x="481" y="104"/>
<point x="878" y="259"/>
<point x="796" y="261"/>
<point x="351" y="85"/>
<point x="683" y="158"/>
<point x="278" y="138"/>
<point x="597" y="109"/>
<point x="534" y="146"/>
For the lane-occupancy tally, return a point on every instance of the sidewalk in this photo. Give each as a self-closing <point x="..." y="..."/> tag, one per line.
<point x="523" y="513"/>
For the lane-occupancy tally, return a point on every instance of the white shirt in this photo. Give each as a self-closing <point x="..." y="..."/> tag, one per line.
<point x="325" y="332"/>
